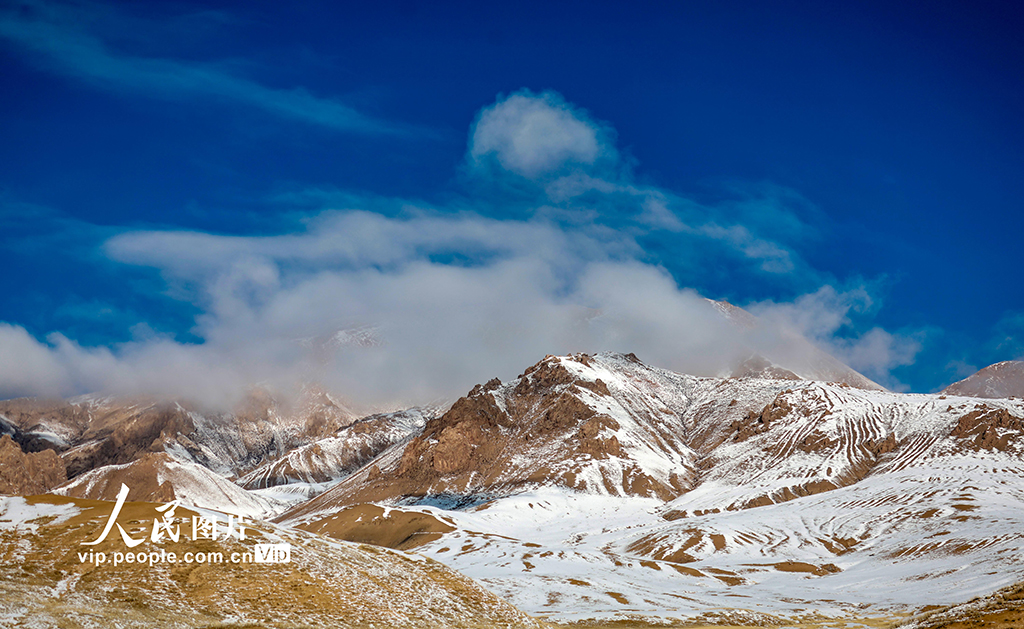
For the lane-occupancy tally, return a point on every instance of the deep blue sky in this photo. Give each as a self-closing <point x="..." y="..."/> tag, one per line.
<point x="892" y="130"/>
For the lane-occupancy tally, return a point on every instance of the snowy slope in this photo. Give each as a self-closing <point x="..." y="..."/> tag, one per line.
<point x="159" y="478"/>
<point x="943" y="532"/>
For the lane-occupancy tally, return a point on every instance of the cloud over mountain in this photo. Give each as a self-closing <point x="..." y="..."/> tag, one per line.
<point x="457" y="291"/>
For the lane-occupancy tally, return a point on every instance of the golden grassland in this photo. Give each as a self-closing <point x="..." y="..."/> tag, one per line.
<point x="43" y="582"/>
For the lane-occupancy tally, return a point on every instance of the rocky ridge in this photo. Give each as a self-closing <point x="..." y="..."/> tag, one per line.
<point x="90" y="432"/>
<point x="29" y="473"/>
<point x="609" y="424"/>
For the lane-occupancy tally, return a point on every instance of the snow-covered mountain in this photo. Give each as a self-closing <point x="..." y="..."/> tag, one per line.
<point x="600" y="486"/>
<point x="332" y="458"/>
<point x="609" y="424"/>
<point x="90" y="432"/>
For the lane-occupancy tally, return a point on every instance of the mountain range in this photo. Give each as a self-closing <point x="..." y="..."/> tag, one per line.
<point x="598" y="487"/>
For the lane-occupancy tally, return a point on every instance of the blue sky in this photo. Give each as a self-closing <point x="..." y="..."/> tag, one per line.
<point x="181" y="183"/>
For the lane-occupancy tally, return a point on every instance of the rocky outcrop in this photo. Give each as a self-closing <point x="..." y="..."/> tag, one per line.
<point x="463" y="439"/>
<point x="987" y="428"/>
<point x="759" y="367"/>
<point x="27" y="474"/>
<point x="487" y="439"/>
<point x="756" y="423"/>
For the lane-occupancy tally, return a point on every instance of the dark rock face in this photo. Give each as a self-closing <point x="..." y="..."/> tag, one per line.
<point x="758" y="423"/>
<point x="476" y="436"/>
<point x="463" y="439"/>
<point x="128" y="437"/>
<point x="26" y="474"/>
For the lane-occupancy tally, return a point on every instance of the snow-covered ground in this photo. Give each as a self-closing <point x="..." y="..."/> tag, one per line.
<point x="938" y="534"/>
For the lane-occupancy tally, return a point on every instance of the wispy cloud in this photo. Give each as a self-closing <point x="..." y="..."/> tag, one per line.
<point x="539" y="144"/>
<point x="55" y="39"/>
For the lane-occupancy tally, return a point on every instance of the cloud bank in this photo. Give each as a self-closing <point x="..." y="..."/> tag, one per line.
<point x="399" y="307"/>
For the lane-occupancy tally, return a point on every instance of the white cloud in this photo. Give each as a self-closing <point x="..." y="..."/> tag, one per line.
<point x="532" y="288"/>
<point x="876" y="352"/>
<point x="536" y="135"/>
<point x="27" y="367"/>
<point x="571" y="159"/>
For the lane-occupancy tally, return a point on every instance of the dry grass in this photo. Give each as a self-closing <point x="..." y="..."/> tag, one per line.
<point x="370" y="524"/>
<point x="327" y="584"/>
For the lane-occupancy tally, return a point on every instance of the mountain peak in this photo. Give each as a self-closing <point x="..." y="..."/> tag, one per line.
<point x="1000" y="380"/>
